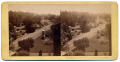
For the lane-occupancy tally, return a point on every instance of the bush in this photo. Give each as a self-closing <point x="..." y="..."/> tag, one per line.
<point x="86" y="29"/>
<point x="102" y="33"/>
<point x="26" y="44"/>
<point x="81" y="44"/>
<point x="11" y="47"/>
<point x="22" y="53"/>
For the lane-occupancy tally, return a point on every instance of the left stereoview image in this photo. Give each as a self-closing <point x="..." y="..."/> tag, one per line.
<point x="33" y="30"/>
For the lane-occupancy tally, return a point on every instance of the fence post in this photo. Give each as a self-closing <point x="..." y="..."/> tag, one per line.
<point x="40" y="53"/>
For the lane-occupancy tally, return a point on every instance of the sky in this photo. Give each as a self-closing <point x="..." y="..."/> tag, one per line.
<point x="55" y="8"/>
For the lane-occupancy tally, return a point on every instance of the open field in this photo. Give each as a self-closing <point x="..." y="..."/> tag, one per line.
<point x="94" y="44"/>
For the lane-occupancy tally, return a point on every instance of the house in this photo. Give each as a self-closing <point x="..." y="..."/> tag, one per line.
<point x="75" y="30"/>
<point x="20" y="30"/>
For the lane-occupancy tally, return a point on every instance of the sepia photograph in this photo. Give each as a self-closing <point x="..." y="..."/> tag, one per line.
<point x="32" y="29"/>
<point x="59" y="30"/>
<point x="86" y="30"/>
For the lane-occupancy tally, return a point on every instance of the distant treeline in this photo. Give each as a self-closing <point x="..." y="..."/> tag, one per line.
<point x="29" y="20"/>
<point x="26" y="18"/>
<point x="73" y="17"/>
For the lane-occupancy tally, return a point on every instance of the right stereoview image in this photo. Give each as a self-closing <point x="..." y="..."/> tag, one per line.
<point x="86" y="30"/>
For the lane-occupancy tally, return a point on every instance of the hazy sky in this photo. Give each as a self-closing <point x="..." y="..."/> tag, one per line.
<point x="55" y="8"/>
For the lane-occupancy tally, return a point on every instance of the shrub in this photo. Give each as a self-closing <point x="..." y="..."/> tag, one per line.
<point x="11" y="47"/>
<point x="81" y="44"/>
<point x="86" y="29"/>
<point x="22" y="53"/>
<point x="26" y="44"/>
<point x="102" y="33"/>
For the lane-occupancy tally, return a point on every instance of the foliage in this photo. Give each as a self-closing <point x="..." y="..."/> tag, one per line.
<point x="37" y="19"/>
<point x="11" y="46"/>
<point x="66" y="47"/>
<point x="65" y="33"/>
<point x="23" y="18"/>
<point x="26" y="44"/>
<point x="81" y="44"/>
<point x="22" y="53"/>
<point x="30" y="27"/>
<point x="84" y="26"/>
<point x="102" y="33"/>
<point x="71" y="18"/>
<point x="52" y="17"/>
<point x="105" y="16"/>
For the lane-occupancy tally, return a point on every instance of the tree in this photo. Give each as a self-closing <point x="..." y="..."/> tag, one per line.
<point x="52" y="17"/>
<point x="65" y="34"/>
<point x="46" y="17"/>
<point x="107" y="17"/>
<point x="84" y="26"/>
<point x="38" y="19"/>
<point x="26" y="44"/>
<point x="65" y="30"/>
<point x="30" y="26"/>
<point x="81" y="44"/>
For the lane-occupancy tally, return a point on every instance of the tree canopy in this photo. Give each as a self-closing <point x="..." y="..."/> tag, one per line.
<point x="81" y="44"/>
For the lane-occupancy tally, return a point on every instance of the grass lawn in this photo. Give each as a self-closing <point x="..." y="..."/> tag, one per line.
<point x="39" y="45"/>
<point x="94" y="44"/>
